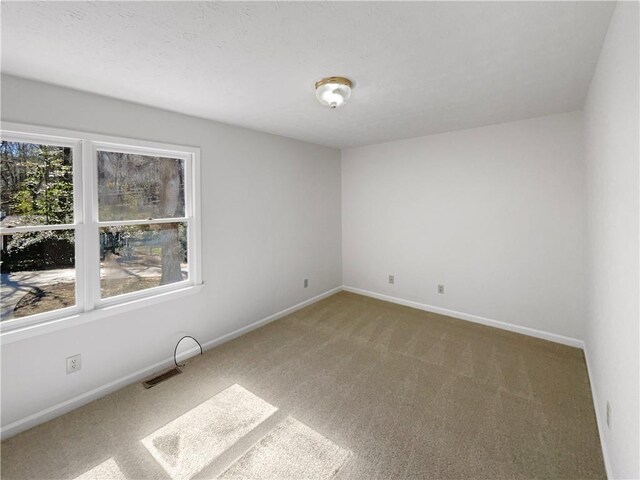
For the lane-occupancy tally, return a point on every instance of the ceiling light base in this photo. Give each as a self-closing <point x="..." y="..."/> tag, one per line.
<point x="333" y="92"/>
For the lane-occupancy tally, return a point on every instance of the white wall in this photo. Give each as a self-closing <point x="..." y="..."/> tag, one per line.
<point x="612" y="153"/>
<point x="271" y="217"/>
<point x="494" y="213"/>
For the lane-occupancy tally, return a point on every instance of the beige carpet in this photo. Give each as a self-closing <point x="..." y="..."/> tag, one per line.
<point x="107" y="470"/>
<point x="186" y="445"/>
<point x="290" y="451"/>
<point x="390" y="391"/>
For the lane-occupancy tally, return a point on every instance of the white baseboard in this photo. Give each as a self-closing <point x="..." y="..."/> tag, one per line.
<point x="532" y="332"/>
<point x="241" y="331"/>
<point x="87" y="397"/>
<point x="601" y="422"/>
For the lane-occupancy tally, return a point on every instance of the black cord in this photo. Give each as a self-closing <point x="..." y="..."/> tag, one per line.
<point x="175" y="352"/>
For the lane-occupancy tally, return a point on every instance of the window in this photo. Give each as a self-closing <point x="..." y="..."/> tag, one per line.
<point x="88" y="221"/>
<point x="142" y="220"/>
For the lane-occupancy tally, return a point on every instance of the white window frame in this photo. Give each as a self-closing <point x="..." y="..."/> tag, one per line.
<point x="89" y="305"/>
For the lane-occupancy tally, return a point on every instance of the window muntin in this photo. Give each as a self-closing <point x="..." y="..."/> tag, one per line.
<point x="86" y="225"/>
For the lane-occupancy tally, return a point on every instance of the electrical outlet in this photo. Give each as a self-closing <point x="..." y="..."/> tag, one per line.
<point x="440" y="288"/>
<point x="306" y="282"/>
<point x="608" y="415"/>
<point x="74" y="364"/>
<point x="392" y="279"/>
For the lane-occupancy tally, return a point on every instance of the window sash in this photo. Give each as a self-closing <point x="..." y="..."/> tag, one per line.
<point x="80" y="286"/>
<point x="76" y="155"/>
<point x="185" y="157"/>
<point x="108" y="301"/>
<point x="86" y="224"/>
<point x="76" y="146"/>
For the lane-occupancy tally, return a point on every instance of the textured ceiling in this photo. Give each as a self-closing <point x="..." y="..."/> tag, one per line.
<point x="418" y="67"/>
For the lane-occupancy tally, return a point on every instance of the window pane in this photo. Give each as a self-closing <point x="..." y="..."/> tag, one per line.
<point x="137" y="257"/>
<point x="37" y="184"/>
<point x="137" y="187"/>
<point x="38" y="272"/>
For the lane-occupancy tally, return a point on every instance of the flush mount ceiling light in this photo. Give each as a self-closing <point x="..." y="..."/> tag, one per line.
<point x="333" y="91"/>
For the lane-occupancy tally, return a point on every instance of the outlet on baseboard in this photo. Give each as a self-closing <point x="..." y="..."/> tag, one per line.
<point x="608" y="415"/>
<point x="74" y="363"/>
<point x="306" y="282"/>
<point x="392" y="279"/>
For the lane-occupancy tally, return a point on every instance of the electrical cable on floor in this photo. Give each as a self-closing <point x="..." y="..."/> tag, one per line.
<point x="175" y="351"/>
<point x="167" y="374"/>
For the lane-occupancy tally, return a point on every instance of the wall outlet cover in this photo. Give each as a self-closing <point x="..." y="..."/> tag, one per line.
<point x="74" y="363"/>
<point x="392" y="279"/>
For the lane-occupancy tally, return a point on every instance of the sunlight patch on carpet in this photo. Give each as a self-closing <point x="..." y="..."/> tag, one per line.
<point x="186" y="445"/>
<point x="107" y="470"/>
<point x="290" y="451"/>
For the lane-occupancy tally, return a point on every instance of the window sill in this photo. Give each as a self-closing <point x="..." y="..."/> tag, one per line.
<point x="22" y="333"/>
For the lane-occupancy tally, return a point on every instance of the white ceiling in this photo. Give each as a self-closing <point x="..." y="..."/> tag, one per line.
<point x="418" y="68"/>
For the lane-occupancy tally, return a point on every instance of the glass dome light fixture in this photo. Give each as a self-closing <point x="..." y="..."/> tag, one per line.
<point x="333" y="92"/>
